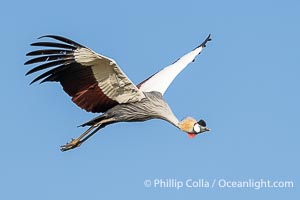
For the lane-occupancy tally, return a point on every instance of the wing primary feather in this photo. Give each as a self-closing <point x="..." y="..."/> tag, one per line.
<point x="53" y="44"/>
<point x="203" y="44"/>
<point x="50" y="64"/>
<point x="48" y="58"/>
<point x="58" y="72"/>
<point x="62" y="39"/>
<point x="50" y="72"/>
<point x="49" y="52"/>
<point x="49" y="78"/>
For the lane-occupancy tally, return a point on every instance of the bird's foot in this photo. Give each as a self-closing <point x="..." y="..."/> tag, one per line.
<point x="71" y="145"/>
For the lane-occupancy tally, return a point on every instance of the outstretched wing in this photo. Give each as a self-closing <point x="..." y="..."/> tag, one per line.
<point x="95" y="82"/>
<point x="161" y="80"/>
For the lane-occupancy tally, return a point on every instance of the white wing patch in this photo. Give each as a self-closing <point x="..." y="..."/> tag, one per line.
<point x="160" y="81"/>
<point x="86" y="57"/>
<point x="111" y="79"/>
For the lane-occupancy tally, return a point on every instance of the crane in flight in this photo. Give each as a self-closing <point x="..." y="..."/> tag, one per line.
<point x="97" y="84"/>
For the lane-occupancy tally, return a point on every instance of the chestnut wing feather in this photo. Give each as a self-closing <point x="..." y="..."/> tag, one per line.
<point x="95" y="82"/>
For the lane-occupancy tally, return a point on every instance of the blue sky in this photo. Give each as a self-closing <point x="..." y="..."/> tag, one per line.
<point x="245" y="84"/>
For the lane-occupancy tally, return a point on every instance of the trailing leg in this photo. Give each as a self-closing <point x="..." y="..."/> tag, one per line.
<point x="82" y="138"/>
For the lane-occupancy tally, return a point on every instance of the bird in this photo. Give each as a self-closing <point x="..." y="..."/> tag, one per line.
<point x="97" y="84"/>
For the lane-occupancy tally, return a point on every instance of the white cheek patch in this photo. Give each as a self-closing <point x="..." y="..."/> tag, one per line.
<point x="197" y="128"/>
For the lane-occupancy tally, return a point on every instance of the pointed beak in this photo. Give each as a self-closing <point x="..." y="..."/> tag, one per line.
<point x="206" y="129"/>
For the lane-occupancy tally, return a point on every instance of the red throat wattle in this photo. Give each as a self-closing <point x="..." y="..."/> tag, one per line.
<point x="191" y="135"/>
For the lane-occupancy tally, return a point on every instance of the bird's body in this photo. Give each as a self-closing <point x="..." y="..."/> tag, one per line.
<point x="97" y="84"/>
<point x="153" y="106"/>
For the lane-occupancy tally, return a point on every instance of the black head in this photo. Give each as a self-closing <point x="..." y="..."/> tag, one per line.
<point x="202" y="123"/>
